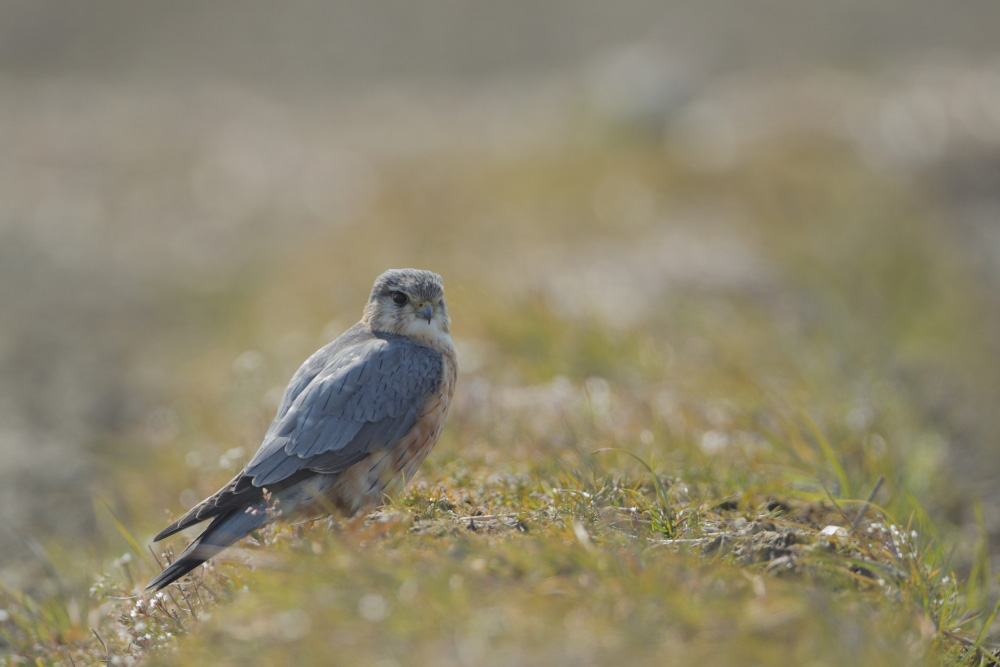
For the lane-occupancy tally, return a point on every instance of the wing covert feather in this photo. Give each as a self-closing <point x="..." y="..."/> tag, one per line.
<point x="358" y="394"/>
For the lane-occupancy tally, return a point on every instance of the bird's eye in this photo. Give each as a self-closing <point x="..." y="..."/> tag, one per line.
<point x="399" y="298"/>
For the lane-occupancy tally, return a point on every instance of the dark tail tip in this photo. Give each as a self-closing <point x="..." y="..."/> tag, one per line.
<point x="223" y="531"/>
<point x="167" y="532"/>
<point x="173" y="572"/>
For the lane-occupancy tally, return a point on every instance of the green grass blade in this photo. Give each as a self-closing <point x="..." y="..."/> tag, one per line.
<point x="831" y="456"/>
<point x="661" y="490"/>
<point x="123" y="531"/>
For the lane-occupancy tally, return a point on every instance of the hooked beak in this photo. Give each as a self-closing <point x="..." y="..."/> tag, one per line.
<point x="426" y="312"/>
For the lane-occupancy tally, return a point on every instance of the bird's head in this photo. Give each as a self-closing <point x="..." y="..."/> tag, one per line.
<point x="409" y="302"/>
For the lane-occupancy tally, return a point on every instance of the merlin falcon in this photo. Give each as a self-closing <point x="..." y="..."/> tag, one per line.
<point x="356" y="421"/>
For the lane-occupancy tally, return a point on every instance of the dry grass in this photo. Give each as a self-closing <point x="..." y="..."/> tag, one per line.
<point x="674" y="385"/>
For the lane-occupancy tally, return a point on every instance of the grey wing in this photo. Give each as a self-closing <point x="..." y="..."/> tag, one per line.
<point x="359" y="394"/>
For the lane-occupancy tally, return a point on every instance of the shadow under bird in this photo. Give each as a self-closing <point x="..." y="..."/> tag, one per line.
<point x="356" y="421"/>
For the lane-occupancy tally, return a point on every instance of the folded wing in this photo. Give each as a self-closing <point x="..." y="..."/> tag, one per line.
<point x="361" y="393"/>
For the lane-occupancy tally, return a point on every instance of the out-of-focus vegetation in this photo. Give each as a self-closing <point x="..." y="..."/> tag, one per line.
<point x="678" y="387"/>
<point x="707" y="299"/>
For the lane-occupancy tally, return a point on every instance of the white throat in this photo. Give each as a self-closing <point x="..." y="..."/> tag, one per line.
<point x="428" y="333"/>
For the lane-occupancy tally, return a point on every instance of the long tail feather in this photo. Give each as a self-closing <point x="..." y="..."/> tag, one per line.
<point x="222" y="532"/>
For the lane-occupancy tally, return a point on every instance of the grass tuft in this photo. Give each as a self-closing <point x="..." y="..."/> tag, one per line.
<point x="761" y="390"/>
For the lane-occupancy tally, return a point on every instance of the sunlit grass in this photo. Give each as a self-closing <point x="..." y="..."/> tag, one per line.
<point x="677" y="486"/>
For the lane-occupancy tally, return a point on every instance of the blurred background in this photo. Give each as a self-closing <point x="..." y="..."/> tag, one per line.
<point x="194" y="196"/>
